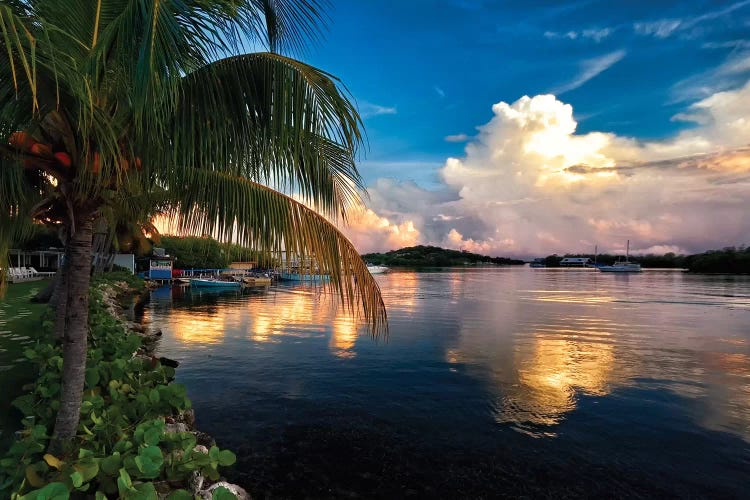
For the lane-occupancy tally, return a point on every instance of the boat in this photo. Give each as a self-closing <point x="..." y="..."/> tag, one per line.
<point x="214" y="283"/>
<point x="374" y="269"/>
<point x="622" y="266"/>
<point x="256" y="280"/>
<point x="296" y="276"/>
<point x="538" y="263"/>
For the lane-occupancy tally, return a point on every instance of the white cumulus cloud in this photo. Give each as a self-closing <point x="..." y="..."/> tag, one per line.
<point x="529" y="184"/>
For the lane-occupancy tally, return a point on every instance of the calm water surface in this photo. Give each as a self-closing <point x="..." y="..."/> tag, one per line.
<point x="493" y="382"/>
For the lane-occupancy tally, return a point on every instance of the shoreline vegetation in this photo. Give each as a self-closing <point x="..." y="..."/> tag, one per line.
<point x="136" y="436"/>
<point x="728" y="260"/>
<point x="431" y="256"/>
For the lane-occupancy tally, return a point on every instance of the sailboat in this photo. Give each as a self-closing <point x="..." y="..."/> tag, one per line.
<point x="622" y="266"/>
<point x="596" y="254"/>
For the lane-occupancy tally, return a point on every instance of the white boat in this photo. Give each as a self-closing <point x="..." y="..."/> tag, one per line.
<point x="214" y="283"/>
<point x="622" y="266"/>
<point x="377" y="269"/>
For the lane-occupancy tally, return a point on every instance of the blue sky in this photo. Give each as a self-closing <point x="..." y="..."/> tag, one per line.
<point x="433" y="67"/>
<point x="422" y="71"/>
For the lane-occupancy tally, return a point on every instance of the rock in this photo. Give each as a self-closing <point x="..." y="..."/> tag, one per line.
<point x="187" y="416"/>
<point x="162" y="488"/>
<point x="196" y="482"/>
<point x="177" y="427"/>
<point x="204" y="439"/>
<point x="169" y="362"/>
<point x="238" y="491"/>
<point x="200" y="449"/>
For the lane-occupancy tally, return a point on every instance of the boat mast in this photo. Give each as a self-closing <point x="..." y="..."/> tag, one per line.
<point x="627" y="252"/>
<point x="596" y="252"/>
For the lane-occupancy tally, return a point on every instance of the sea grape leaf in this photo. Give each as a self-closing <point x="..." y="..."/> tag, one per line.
<point x="88" y="468"/>
<point x="92" y="377"/>
<point x="111" y="464"/>
<point x="145" y="491"/>
<point x="53" y="461"/>
<point x="33" y="477"/>
<point x="77" y="479"/>
<point x="152" y="436"/>
<point x="149" y="461"/>
<point x="226" y="457"/>
<point x="153" y="396"/>
<point x="53" y="491"/>
<point x="222" y="493"/>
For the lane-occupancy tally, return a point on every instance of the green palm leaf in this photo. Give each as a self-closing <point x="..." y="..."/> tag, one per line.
<point x="264" y="219"/>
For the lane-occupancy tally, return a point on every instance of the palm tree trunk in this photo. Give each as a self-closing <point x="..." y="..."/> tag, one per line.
<point x="78" y="272"/>
<point x="60" y="298"/>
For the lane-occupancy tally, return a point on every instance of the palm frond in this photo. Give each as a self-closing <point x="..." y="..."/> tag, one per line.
<point x="272" y="223"/>
<point x="271" y="119"/>
<point x="19" y="49"/>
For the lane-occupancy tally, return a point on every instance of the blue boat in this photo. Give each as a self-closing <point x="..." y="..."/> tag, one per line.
<point x="214" y="283"/>
<point x="315" y="278"/>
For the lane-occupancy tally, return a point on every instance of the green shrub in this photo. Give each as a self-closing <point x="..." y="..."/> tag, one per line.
<point x="122" y="448"/>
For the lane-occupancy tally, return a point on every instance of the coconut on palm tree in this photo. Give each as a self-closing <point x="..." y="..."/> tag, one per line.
<point x="105" y="101"/>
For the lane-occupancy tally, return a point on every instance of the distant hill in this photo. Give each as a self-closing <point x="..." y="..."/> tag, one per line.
<point x="429" y="256"/>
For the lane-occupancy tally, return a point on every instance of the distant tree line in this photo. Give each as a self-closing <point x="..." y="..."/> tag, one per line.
<point x="431" y="256"/>
<point x="727" y="260"/>
<point x="735" y="260"/>
<point x="205" y="252"/>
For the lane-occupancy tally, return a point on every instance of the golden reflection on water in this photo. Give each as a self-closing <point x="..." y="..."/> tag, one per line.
<point x="190" y="327"/>
<point x="297" y="309"/>
<point x="550" y="373"/>
<point x="400" y="290"/>
<point x="292" y="315"/>
<point x="539" y="376"/>
<point x="343" y="337"/>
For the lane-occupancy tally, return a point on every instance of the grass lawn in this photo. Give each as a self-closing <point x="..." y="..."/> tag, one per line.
<point x="20" y="324"/>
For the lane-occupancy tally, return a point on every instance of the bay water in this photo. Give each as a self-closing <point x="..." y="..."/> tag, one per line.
<point x="491" y="382"/>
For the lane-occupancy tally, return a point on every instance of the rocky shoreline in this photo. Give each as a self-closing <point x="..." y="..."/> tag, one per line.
<point x="116" y="297"/>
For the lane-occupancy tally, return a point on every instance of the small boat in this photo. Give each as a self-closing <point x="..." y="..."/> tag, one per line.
<point x="622" y="266"/>
<point x="377" y="269"/>
<point x="256" y="280"/>
<point x="296" y="276"/>
<point x="537" y="263"/>
<point x="214" y="283"/>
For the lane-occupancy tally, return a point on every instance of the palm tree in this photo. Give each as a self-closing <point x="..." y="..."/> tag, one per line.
<point x="104" y="100"/>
